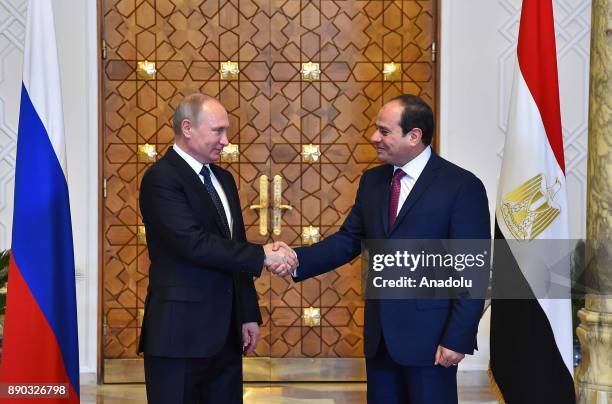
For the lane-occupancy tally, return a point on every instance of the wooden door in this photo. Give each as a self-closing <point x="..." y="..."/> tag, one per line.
<point x="311" y="131"/>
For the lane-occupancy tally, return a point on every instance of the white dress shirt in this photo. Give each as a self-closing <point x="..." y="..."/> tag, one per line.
<point x="197" y="167"/>
<point x="413" y="170"/>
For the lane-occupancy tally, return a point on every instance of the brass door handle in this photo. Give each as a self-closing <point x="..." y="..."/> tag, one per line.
<point x="263" y="205"/>
<point x="278" y="206"/>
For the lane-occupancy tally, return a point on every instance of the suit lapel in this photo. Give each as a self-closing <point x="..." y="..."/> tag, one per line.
<point x="428" y="175"/>
<point x="195" y="183"/>
<point x="382" y="188"/>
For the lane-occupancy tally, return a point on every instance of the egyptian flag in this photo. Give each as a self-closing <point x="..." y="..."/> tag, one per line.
<point x="531" y="339"/>
<point x="40" y="330"/>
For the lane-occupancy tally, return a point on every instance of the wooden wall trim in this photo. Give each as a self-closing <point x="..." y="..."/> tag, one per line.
<point x="100" y="319"/>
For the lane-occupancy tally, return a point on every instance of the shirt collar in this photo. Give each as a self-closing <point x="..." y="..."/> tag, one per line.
<point x="193" y="163"/>
<point x="415" y="167"/>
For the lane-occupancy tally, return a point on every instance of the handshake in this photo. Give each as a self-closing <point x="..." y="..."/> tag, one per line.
<point x="280" y="259"/>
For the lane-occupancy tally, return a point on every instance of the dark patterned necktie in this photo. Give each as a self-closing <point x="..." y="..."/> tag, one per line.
<point x="394" y="194"/>
<point x="205" y="172"/>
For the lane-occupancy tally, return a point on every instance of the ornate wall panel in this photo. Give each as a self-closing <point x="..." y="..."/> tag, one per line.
<point x="274" y="112"/>
<point x="350" y="41"/>
<point x="187" y="41"/>
<point x="12" y="36"/>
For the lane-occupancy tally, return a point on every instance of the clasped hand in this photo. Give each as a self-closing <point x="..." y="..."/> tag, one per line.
<point x="280" y="259"/>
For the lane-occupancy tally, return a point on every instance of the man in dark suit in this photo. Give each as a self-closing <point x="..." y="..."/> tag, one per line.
<point x="201" y="308"/>
<point x="412" y="347"/>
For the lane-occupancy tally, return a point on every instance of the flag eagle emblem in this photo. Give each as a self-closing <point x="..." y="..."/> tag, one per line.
<point x="530" y="208"/>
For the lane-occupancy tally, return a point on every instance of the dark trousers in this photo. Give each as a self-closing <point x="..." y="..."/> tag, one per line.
<point x="391" y="383"/>
<point x="214" y="380"/>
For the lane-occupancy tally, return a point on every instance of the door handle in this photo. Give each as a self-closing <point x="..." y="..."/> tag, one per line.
<point x="278" y="206"/>
<point x="263" y="205"/>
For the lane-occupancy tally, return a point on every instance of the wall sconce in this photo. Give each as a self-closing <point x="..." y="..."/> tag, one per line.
<point x="147" y="152"/>
<point x="392" y="71"/>
<point x="310" y="235"/>
<point x="140" y="317"/>
<point x="142" y="235"/>
<point x="310" y="71"/>
<point x="146" y="70"/>
<point x="311" y="316"/>
<point x="229" y="70"/>
<point x="310" y="153"/>
<point x="230" y="153"/>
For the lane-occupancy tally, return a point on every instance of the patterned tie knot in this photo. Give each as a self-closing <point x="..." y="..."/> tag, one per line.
<point x="205" y="171"/>
<point x="399" y="174"/>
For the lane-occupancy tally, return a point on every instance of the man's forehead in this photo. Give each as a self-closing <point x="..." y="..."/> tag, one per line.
<point x="214" y="110"/>
<point x="393" y="106"/>
<point x="213" y="105"/>
<point x="389" y="114"/>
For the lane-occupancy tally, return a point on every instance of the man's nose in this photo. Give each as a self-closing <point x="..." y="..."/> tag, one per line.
<point x="376" y="137"/>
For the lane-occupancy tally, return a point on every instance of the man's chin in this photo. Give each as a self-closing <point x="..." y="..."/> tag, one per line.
<point x="382" y="157"/>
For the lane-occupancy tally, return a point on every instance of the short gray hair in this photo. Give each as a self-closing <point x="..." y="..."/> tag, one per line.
<point x="190" y="108"/>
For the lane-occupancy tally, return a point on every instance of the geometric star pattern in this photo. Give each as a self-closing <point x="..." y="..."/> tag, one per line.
<point x="12" y="37"/>
<point x="273" y="113"/>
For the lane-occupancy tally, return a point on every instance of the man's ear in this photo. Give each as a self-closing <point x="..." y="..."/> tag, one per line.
<point x="186" y="128"/>
<point x="415" y="136"/>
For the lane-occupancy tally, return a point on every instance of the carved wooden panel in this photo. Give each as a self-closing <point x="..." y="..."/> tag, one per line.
<point x="273" y="113"/>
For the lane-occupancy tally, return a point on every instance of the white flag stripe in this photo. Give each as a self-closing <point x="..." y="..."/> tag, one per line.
<point x="41" y="75"/>
<point x="527" y="152"/>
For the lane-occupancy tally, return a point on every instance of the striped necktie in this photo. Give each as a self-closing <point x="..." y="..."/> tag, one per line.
<point x="205" y="172"/>
<point x="396" y="186"/>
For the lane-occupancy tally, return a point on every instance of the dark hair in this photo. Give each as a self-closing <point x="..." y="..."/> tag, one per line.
<point x="416" y="114"/>
<point x="189" y="108"/>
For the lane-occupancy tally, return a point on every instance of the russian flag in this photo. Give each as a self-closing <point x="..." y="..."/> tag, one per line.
<point x="40" y="331"/>
<point x="531" y="339"/>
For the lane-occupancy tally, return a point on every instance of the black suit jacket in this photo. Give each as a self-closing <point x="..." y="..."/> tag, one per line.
<point x="446" y="202"/>
<point x="198" y="278"/>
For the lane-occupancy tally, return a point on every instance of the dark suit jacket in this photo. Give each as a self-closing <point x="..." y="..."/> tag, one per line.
<point x="446" y="202"/>
<point x="198" y="278"/>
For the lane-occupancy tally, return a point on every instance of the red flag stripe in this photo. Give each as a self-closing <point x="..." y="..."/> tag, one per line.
<point x="537" y="58"/>
<point x="30" y="353"/>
